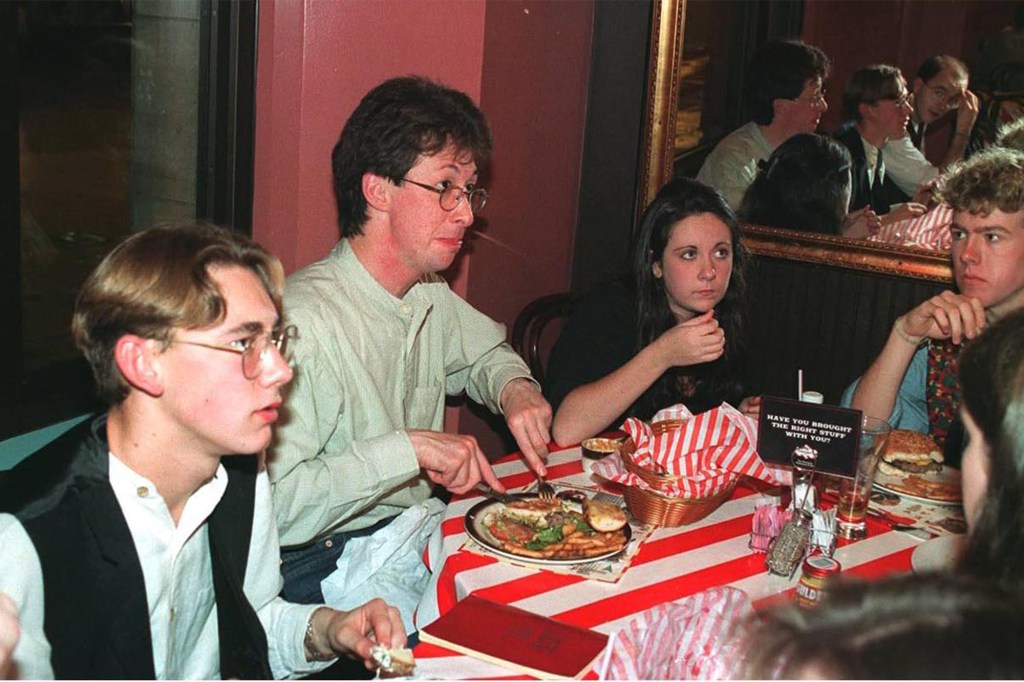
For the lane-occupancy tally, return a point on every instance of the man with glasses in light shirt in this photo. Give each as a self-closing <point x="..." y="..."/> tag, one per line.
<point x="786" y="96"/>
<point x="939" y="89"/>
<point x="385" y="339"/>
<point x="142" y="543"/>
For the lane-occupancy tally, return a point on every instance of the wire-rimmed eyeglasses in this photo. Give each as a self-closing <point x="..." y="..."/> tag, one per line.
<point x="452" y="195"/>
<point x="253" y="349"/>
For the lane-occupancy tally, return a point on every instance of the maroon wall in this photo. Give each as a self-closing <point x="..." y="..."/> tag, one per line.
<point x="527" y="63"/>
<point x="854" y="33"/>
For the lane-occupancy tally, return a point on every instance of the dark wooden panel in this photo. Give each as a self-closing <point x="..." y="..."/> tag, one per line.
<point x="829" y="321"/>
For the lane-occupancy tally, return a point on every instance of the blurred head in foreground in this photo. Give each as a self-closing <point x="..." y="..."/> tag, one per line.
<point x="992" y="407"/>
<point x="931" y="626"/>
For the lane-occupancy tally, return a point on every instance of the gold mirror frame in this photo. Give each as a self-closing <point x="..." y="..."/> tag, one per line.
<point x="668" y="22"/>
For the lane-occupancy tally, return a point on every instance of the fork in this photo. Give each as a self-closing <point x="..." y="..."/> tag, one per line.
<point x="544" y="489"/>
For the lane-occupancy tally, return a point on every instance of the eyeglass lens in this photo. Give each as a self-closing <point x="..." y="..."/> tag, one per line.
<point x="451" y="196"/>
<point x="254" y="355"/>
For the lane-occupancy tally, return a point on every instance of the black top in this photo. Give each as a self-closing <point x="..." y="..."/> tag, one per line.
<point x="861" y="193"/>
<point x="96" y="614"/>
<point x="599" y="337"/>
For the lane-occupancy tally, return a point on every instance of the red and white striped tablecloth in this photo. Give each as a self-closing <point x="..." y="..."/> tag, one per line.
<point x="672" y="564"/>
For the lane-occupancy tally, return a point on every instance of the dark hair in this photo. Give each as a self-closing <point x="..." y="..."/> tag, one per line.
<point x="932" y="66"/>
<point x="714" y="381"/>
<point x="158" y="281"/>
<point x="992" y="389"/>
<point x="870" y="85"/>
<point x="930" y="626"/>
<point x="394" y="124"/>
<point x="801" y="186"/>
<point x="780" y="70"/>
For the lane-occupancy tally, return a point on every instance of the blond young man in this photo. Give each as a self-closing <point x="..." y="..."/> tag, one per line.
<point x="912" y="382"/>
<point x="143" y="542"/>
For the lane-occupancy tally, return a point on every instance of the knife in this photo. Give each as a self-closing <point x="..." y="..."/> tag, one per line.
<point x="495" y="495"/>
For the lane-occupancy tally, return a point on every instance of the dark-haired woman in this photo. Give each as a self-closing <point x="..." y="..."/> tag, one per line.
<point x="672" y="334"/>
<point x="805" y="185"/>
<point x="992" y="407"/>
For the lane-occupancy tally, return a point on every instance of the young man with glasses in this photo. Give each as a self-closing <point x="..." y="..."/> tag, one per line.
<point x="940" y="89"/>
<point x="143" y="544"/>
<point x="786" y="96"/>
<point x="385" y="339"/>
<point x="876" y="105"/>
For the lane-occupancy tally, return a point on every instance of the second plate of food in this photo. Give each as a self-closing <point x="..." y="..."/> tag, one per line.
<point x="941" y="487"/>
<point x="522" y="535"/>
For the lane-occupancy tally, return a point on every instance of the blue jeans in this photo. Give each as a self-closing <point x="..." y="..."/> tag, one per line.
<point x="303" y="569"/>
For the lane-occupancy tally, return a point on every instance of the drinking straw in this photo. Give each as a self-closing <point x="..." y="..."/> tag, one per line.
<point x="799" y="384"/>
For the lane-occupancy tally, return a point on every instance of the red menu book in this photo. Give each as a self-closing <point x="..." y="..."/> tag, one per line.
<point x="516" y="639"/>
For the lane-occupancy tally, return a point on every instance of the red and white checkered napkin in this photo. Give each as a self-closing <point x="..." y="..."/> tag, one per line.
<point x="692" y="639"/>
<point x="708" y="452"/>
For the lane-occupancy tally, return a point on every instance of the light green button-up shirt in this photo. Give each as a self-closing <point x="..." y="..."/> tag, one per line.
<point x="367" y="367"/>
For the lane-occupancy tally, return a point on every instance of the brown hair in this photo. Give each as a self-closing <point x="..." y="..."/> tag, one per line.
<point x="870" y="85"/>
<point x="991" y="179"/>
<point x="157" y="281"/>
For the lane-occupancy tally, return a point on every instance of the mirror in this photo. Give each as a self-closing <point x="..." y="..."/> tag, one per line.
<point x="658" y="157"/>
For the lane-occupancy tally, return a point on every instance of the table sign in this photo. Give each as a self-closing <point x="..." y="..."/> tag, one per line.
<point x="834" y="432"/>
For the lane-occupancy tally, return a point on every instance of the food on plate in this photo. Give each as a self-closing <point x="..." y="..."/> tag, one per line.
<point x="910" y="452"/>
<point x="604" y="516"/>
<point x="533" y="510"/>
<point x="393" y="662"/>
<point x="918" y="486"/>
<point x="555" y="529"/>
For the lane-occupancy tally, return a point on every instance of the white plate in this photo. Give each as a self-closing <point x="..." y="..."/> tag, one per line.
<point x="476" y="529"/>
<point x="937" y="554"/>
<point x="893" y="484"/>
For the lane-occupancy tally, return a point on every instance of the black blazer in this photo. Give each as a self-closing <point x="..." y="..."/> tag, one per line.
<point x="860" y="193"/>
<point x="96" y="614"/>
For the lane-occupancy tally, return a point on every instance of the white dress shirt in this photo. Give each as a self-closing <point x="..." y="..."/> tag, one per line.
<point x="176" y="568"/>
<point x="907" y="166"/>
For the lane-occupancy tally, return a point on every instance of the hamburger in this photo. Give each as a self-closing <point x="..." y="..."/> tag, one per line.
<point x="910" y="452"/>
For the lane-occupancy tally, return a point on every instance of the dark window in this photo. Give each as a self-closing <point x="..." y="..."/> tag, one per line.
<point x="117" y="115"/>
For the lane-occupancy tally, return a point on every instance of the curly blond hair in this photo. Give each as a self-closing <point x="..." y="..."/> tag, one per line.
<point x="991" y="179"/>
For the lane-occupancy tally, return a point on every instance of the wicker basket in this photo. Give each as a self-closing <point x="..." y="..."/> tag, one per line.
<point x="655" y="508"/>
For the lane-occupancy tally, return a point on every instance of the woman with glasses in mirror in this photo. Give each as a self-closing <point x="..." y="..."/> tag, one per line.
<point x="670" y="334"/>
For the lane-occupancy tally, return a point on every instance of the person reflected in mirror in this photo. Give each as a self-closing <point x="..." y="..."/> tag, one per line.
<point x="876" y="106"/>
<point x="992" y="410"/>
<point x="931" y="230"/>
<point x="931" y="626"/>
<point x="805" y="186"/>
<point x="672" y="334"/>
<point x="785" y="93"/>
<point x="939" y="89"/>
<point x="141" y="544"/>
<point x="385" y="339"/>
<point x="912" y="383"/>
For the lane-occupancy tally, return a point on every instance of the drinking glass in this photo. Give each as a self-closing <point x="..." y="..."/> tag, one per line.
<point x="855" y="493"/>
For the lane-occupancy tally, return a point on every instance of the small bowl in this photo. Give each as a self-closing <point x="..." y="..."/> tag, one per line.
<point x="598" y="448"/>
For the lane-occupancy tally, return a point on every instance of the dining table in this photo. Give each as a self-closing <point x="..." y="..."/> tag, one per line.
<point x="672" y="563"/>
